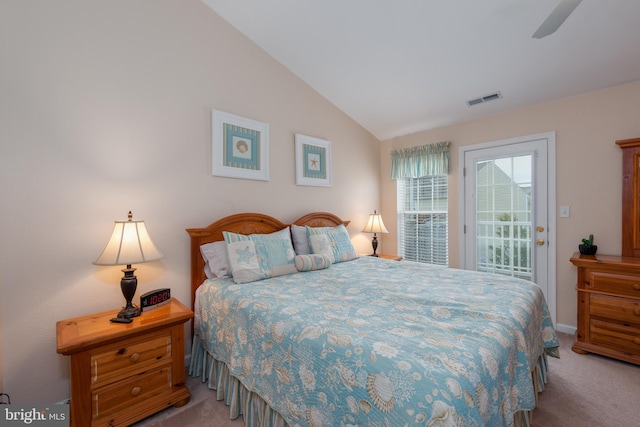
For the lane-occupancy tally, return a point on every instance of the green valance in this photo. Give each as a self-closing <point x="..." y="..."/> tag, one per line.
<point x="424" y="160"/>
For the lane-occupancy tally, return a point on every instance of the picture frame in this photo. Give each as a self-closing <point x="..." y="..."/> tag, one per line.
<point x="313" y="161"/>
<point x="240" y="147"/>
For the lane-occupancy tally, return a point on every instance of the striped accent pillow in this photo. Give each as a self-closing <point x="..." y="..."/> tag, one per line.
<point x="312" y="262"/>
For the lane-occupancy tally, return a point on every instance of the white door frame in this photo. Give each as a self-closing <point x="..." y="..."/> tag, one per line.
<point x="551" y="205"/>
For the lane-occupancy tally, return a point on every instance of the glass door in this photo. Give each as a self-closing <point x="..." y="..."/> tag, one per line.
<point x="508" y="213"/>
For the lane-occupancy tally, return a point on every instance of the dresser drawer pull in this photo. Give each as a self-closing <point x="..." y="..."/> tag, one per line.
<point x="134" y="357"/>
<point x="636" y="312"/>
<point x="636" y="340"/>
<point x="135" y="391"/>
<point x="636" y="286"/>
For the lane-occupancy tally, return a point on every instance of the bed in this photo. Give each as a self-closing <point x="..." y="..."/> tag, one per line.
<point x="363" y="341"/>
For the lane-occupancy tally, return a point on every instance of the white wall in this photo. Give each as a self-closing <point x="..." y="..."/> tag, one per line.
<point x="589" y="172"/>
<point x="105" y="108"/>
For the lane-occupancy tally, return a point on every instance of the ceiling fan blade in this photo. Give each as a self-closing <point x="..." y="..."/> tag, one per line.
<point x="557" y="17"/>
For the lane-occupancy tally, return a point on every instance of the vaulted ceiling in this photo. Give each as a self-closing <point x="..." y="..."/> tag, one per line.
<point x="402" y="66"/>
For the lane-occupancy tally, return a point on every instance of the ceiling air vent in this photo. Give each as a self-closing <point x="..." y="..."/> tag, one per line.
<point x="483" y="99"/>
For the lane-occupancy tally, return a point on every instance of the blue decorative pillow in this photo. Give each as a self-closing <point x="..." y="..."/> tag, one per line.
<point x="312" y="262"/>
<point x="260" y="256"/>
<point x="332" y="241"/>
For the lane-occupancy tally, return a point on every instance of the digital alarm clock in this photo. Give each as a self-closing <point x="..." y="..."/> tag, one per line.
<point x="154" y="299"/>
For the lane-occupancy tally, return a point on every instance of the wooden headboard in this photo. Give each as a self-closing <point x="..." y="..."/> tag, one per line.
<point x="244" y="223"/>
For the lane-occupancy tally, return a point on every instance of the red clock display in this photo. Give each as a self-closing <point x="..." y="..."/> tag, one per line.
<point x="154" y="298"/>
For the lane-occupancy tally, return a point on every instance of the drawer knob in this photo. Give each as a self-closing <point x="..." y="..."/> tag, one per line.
<point x="636" y="311"/>
<point x="636" y="340"/>
<point x="135" y="391"/>
<point x="636" y="286"/>
<point x="134" y="357"/>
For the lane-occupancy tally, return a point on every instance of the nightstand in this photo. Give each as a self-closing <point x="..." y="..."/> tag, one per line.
<point x="122" y="373"/>
<point x="391" y="257"/>
<point x="383" y="256"/>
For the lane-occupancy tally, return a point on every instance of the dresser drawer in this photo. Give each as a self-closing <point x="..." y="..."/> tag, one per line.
<point x="616" y="284"/>
<point x="128" y="356"/>
<point x="615" y="308"/>
<point x="616" y="336"/>
<point x="123" y="394"/>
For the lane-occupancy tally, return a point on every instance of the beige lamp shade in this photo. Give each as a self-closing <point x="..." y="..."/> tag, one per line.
<point x="375" y="224"/>
<point x="129" y="244"/>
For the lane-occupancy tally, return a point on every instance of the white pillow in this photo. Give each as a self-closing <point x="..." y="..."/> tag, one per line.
<point x="300" y="240"/>
<point x="216" y="260"/>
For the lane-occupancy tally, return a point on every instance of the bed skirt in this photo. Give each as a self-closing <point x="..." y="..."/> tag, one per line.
<point x="257" y="413"/>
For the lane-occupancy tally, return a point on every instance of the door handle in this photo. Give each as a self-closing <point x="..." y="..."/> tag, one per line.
<point x="539" y="229"/>
<point x="539" y="242"/>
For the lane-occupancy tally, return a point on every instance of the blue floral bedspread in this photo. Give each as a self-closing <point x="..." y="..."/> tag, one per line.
<point x="372" y="342"/>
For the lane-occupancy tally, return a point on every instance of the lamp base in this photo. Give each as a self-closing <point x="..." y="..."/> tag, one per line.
<point x="374" y="243"/>
<point x="128" y="284"/>
<point x="129" y="312"/>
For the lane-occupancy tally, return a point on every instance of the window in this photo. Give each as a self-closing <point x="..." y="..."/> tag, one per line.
<point x="423" y="219"/>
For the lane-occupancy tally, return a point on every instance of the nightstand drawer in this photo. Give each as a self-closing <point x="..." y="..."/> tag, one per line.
<point x="621" y="337"/>
<point x="127" y="393"/>
<point x="128" y="356"/>
<point x="616" y="284"/>
<point x="615" y="308"/>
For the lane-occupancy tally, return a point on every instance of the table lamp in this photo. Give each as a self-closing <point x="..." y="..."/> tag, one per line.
<point x="129" y="244"/>
<point x="375" y="225"/>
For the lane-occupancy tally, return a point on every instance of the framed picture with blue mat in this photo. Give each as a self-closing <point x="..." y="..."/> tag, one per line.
<point x="240" y="147"/>
<point x="313" y="161"/>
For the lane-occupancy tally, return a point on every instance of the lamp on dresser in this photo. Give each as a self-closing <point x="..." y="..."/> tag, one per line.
<point x="129" y="244"/>
<point x="375" y="225"/>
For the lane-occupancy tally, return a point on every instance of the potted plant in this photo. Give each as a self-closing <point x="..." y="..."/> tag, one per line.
<point x="587" y="247"/>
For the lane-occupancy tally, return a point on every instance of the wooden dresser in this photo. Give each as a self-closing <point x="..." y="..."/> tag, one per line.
<point x="609" y="286"/>
<point x="608" y="306"/>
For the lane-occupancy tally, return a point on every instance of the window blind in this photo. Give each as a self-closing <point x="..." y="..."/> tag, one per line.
<point x="423" y="228"/>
